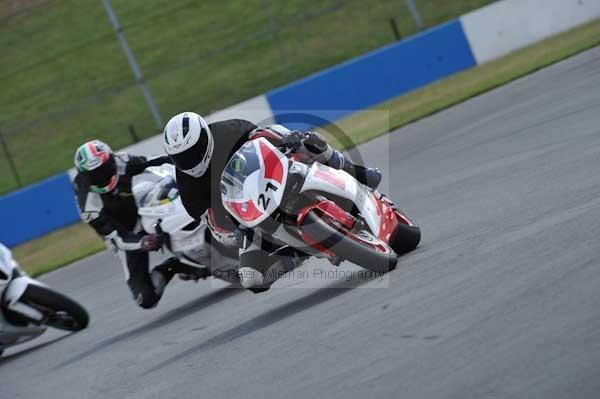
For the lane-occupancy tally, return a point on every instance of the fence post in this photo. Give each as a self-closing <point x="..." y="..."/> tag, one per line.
<point x="395" y="29"/>
<point x="137" y="73"/>
<point x="11" y="161"/>
<point x="133" y="133"/>
<point x="414" y="11"/>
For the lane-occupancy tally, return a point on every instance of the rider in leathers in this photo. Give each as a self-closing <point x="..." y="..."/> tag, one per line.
<point x="200" y="153"/>
<point x="106" y="203"/>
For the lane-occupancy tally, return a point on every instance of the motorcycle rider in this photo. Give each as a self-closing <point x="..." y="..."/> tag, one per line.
<point x="197" y="244"/>
<point x="103" y="190"/>
<point x="200" y="153"/>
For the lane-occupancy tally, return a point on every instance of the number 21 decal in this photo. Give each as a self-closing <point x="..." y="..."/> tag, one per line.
<point x="261" y="198"/>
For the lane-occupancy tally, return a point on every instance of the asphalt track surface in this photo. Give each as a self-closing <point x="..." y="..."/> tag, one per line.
<point x="501" y="300"/>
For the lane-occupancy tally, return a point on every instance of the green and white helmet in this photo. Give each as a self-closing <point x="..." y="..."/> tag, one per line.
<point x="96" y="161"/>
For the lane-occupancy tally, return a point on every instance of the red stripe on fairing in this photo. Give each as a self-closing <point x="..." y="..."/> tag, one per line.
<point x="329" y="177"/>
<point x="390" y="218"/>
<point x="213" y="222"/>
<point x="329" y="208"/>
<point x="387" y="219"/>
<point x="250" y="214"/>
<point x="273" y="166"/>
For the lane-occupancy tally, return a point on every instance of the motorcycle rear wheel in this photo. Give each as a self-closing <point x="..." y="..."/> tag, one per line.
<point x="378" y="258"/>
<point x="62" y="312"/>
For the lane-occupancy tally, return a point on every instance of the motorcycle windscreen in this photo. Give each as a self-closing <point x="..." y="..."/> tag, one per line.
<point x="161" y="193"/>
<point x="253" y="181"/>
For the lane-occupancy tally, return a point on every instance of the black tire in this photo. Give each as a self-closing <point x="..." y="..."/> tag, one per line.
<point x="405" y="238"/>
<point x="347" y="248"/>
<point x="63" y="312"/>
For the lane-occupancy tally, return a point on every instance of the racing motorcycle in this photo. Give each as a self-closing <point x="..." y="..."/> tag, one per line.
<point x="29" y="306"/>
<point x="199" y="245"/>
<point x="314" y="209"/>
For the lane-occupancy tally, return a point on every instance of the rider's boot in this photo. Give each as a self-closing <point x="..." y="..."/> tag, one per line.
<point x="256" y="280"/>
<point x="195" y="276"/>
<point x="371" y="177"/>
<point x="259" y="269"/>
<point x="163" y="273"/>
<point x="160" y="278"/>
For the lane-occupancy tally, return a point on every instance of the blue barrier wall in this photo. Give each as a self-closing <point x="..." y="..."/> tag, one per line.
<point x="36" y="210"/>
<point x="332" y="94"/>
<point x="377" y="76"/>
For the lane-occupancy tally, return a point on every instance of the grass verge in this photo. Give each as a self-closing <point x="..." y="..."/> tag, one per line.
<point x="74" y="242"/>
<point x="65" y="79"/>
<point x="365" y="125"/>
<point x="57" y="249"/>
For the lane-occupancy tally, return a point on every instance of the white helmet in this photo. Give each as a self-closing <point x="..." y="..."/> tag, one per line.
<point x="189" y="142"/>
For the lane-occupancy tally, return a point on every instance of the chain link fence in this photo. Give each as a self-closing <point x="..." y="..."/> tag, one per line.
<point x="65" y="78"/>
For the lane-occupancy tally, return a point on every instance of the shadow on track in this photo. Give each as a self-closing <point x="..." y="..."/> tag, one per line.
<point x="265" y="320"/>
<point x="15" y="356"/>
<point x="170" y="317"/>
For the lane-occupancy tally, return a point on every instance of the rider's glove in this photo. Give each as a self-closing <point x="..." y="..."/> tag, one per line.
<point x="293" y="140"/>
<point x="315" y="143"/>
<point x="151" y="242"/>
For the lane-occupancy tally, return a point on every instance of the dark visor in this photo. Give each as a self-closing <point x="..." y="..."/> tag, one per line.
<point x="191" y="157"/>
<point x="100" y="177"/>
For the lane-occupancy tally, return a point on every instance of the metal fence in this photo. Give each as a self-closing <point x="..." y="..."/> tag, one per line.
<point x="65" y="77"/>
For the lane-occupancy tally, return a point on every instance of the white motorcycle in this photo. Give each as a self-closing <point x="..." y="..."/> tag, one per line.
<point x="199" y="245"/>
<point x="28" y="306"/>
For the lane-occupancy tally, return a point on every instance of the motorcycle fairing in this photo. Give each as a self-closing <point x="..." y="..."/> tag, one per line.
<point x="14" y="291"/>
<point x="338" y="182"/>
<point x="253" y="182"/>
<point x="173" y="216"/>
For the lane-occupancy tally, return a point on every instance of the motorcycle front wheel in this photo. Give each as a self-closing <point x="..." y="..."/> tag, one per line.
<point x="405" y="238"/>
<point x="361" y="248"/>
<point x="61" y="311"/>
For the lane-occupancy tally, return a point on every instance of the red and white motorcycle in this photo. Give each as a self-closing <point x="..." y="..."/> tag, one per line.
<point x="314" y="209"/>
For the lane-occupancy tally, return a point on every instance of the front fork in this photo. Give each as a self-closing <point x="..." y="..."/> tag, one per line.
<point x="14" y="291"/>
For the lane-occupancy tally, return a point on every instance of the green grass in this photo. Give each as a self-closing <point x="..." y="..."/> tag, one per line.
<point x="65" y="79"/>
<point x="57" y="249"/>
<point x="67" y="245"/>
